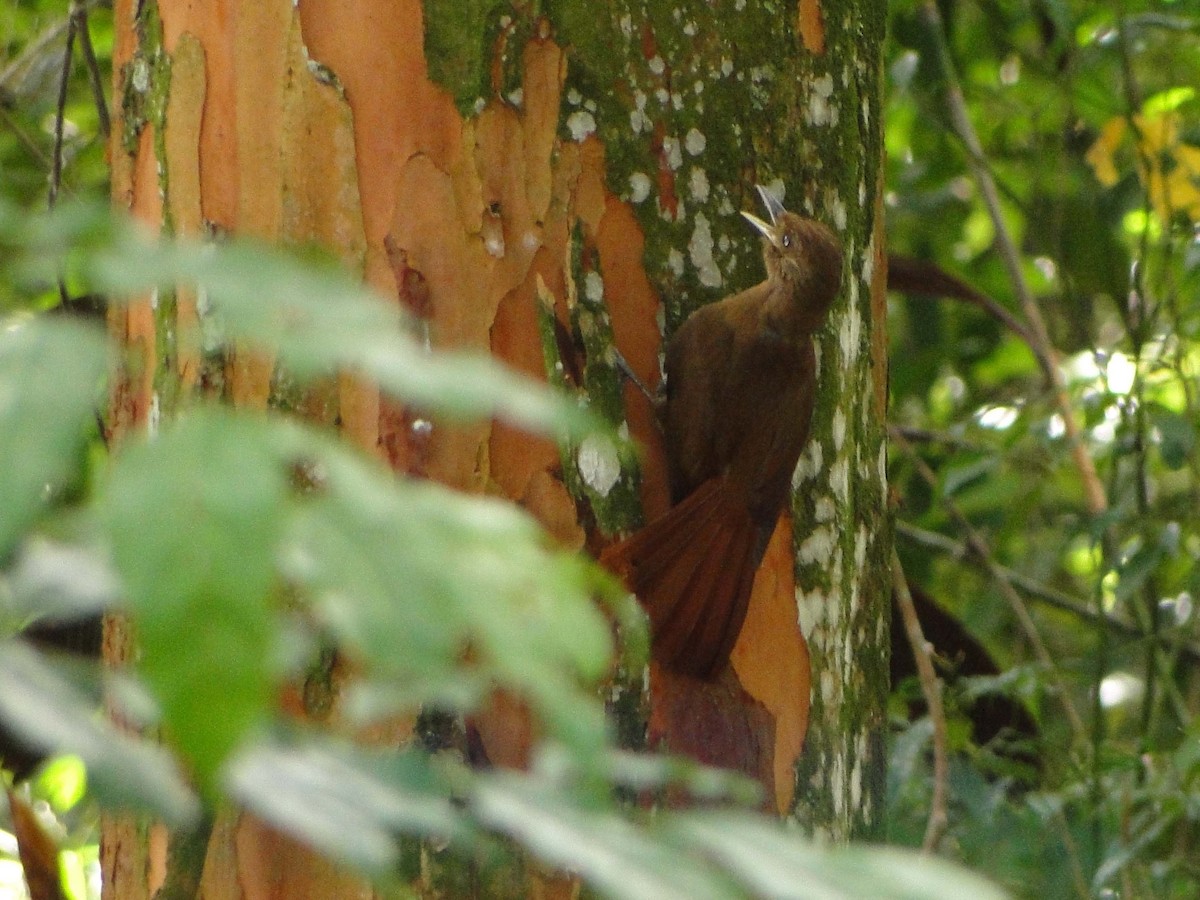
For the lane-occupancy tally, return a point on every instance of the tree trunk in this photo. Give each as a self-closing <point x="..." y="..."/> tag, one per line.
<point x="540" y="186"/>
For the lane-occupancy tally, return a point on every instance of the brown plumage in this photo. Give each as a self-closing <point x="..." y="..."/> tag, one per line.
<point x="740" y="381"/>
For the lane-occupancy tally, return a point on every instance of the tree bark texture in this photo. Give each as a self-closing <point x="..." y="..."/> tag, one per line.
<point x="541" y="181"/>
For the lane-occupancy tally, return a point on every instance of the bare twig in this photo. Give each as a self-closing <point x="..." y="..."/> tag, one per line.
<point x="79" y="11"/>
<point x="980" y="549"/>
<point x="34" y="150"/>
<point x="931" y="687"/>
<point x="1034" y="589"/>
<point x="918" y="276"/>
<point x="1040" y="344"/>
<point x="60" y="114"/>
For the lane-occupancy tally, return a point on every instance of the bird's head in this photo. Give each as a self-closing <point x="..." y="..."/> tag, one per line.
<point x="800" y="252"/>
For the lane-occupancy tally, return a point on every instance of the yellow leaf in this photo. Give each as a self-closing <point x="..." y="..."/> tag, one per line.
<point x="1100" y="154"/>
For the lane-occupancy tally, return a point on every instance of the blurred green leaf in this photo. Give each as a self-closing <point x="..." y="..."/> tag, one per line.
<point x="1177" y="436"/>
<point x="49" y="712"/>
<point x="194" y="517"/>
<point x="345" y="802"/>
<point x="50" y="379"/>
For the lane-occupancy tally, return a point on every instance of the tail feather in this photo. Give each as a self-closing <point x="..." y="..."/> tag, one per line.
<point x="693" y="570"/>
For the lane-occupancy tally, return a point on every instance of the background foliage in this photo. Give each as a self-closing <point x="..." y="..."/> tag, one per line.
<point x="1086" y="118"/>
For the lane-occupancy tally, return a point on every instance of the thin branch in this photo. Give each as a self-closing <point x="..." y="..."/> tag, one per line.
<point x="909" y="275"/>
<point x="80" y="13"/>
<point x="1034" y="589"/>
<point x="980" y="549"/>
<point x="60" y="114"/>
<point x="30" y="144"/>
<point x="931" y="687"/>
<point x="1097" y="502"/>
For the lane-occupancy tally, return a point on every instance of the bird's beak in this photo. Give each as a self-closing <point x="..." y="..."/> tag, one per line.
<point x="770" y="202"/>
<point x="767" y="231"/>
<point x="774" y="210"/>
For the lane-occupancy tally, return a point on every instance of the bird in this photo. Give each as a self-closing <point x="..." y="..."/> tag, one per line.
<point x="740" y="382"/>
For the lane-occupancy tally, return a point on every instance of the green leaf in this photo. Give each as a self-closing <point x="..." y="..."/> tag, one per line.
<point x="344" y="802"/>
<point x="319" y="320"/>
<point x="610" y="854"/>
<point x="774" y="863"/>
<point x="51" y="714"/>
<point x="1176" y="436"/>
<point x="374" y="555"/>
<point x="50" y="375"/>
<point x="194" y="517"/>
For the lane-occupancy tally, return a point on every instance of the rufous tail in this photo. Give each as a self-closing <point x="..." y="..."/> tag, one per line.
<point x="693" y="570"/>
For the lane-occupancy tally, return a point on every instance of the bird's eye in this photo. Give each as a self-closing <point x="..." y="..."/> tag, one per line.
<point x="787" y="240"/>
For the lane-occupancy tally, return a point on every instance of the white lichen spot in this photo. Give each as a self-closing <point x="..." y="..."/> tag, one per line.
<point x="676" y="100"/>
<point x="623" y="430"/>
<point x="627" y="25"/>
<point x="639" y="100"/>
<point x="777" y="189"/>
<point x="817" y="547"/>
<point x="809" y="608"/>
<point x="861" y="538"/>
<point x="700" y="250"/>
<point x="662" y="95"/>
<point x="723" y="243"/>
<point x="639" y="186"/>
<point x="851" y="330"/>
<point x="154" y="415"/>
<point x="639" y="121"/>
<point x="839" y="429"/>
<point x="838" y="777"/>
<point x="726" y="67"/>
<point x="739" y="5"/>
<point x="856" y="784"/>
<point x="675" y="262"/>
<point x="817" y="111"/>
<point x="695" y="141"/>
<point x="593" y="286"/>
<point x="862" y="193"/>
<point x="673" y="151"/>
<point x="828" y="689"/>
<point x="824" y="510"/>
<point x="868" y="268"/>
<point x="823" y="86"/>
<point x="574" y="98"/>
<point x="154" y="298"/>
<point x="589" y="105"/>
<point x="580" y="123"/>
<point x="837" y="211"/>
<point x="698" y="87"/>
<point x="516" y="96"/>
<point x="698" y="185"/>
<point x="690" y="29"/>
<point x="140" y="75"/>
<point x="657" y="66"/>
<point x="839" y="479"/>
<point x="480" y="105"/>
<point x="881" y="464"/>
<point x="493" y="240"/>
<point x="809" y="464"/>
<point x="598" y="463"/>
